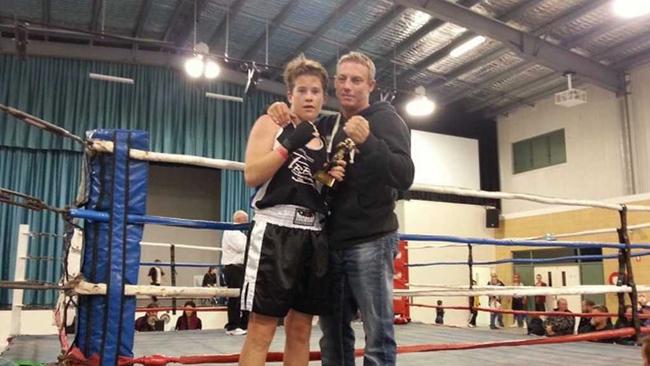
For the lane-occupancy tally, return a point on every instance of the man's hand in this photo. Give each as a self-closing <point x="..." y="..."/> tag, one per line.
<point x="281" y="114"/>
<point x="338" y="170"/>
<point x="358" y="129"/>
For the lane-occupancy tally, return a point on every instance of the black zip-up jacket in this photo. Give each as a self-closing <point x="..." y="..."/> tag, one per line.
<point x="361" y="207"/>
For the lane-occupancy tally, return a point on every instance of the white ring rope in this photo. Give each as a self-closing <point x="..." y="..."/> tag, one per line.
<point x="523" y="196"/>
<point x="183" y="246"/>
<point x="107" y="147"/>
<point x="521" y="291"/>
<point x="583" y="233"/>
<point x="88" y="288"/>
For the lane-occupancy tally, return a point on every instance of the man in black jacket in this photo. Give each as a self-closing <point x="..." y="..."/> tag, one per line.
<point x="362" y="227"/>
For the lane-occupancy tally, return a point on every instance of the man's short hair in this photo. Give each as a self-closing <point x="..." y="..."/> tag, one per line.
<point x="590" y="303"/>
<point x="361" y="59"/>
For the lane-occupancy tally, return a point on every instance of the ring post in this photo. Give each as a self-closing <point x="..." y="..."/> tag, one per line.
<point x="629" y="276"/>
<point x="118" y="186"/>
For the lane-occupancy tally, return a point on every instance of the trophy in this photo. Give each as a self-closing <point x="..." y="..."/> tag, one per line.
<point x="346" y="146"/>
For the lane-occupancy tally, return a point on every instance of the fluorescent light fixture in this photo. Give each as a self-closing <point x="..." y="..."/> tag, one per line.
<point x="212" y="69"/>
<point x="467" y="46"/>
<point x="631" y="8"/>
<point x="229" y="98"/>
<point x="194" y="66"/>
<point x="115" y="79"/>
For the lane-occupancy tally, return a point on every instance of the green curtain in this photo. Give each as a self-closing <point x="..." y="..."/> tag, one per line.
<point x="172" y="108"/>
<point x="52" y="176"/>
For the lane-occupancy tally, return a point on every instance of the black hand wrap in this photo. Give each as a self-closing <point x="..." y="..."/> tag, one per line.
<point x="301" y="135"/>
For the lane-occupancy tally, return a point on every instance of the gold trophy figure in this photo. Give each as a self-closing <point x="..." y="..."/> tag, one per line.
<point x="346" y="146"/>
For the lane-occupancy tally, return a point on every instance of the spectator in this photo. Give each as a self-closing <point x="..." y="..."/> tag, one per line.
<point x="156" y="274"/>
<point x="210" y="277"/>
<point x="147" y="322"/>
<point x="627" y="321"/>
<point x="536" y="326"/>
<point x="189" y="320"/>
<point x="540" y="300"/>
<point x="495" y="303"/>
<point x="600" y="323"/>
<point x="234" y="246"/>
<point x="518" y="302"/>
<point x="560" y="325"/>
<point x="440" y="313"/>
<point x="587" y="307"/>
<point x="474" y="303"/>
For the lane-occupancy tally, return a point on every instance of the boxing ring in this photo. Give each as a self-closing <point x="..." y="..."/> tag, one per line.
<point x="105" y="290"/>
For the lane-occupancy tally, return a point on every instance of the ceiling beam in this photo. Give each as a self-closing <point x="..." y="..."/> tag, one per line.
<point x="180" y="4"/>
<point x="443" y="52"/>
<point x="370" y="32"/>
<point x="331" y="20"/>
<point x="47" y="11"/>
<point x="515" y="70"/>
<point x="633" y="61"/>
<point x="526" y="45"/>
<point x="627" y="44"/>
<point x="614" y="50"/>
<point x="145" y="7"/>
<point x="185" y="23"/>
<point x="219" y="35"/>
<point x="529" y="100"/>
<point x="409" y="41"/>
<point x="96" y="14"/>
<point x="576" y="13"/>
<point x="273" y="26"/>
<point x="521" y="88"/>
<point x="572" y="15"/>
<point x="601" y="30"/>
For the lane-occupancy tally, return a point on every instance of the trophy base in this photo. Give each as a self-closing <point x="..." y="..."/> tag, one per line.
<point x="325" y="178"/>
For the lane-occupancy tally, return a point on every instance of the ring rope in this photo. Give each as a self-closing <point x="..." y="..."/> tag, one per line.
<point x="459" y="191"/>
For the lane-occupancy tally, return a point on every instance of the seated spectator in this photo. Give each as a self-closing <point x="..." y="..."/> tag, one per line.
<point x="627" y="321"/>
<point x="559" y="325"/>
<point x="600" y="323"/>
<point x="644" y="309"/>
<point x="536" y="326"/>
<point x="210" y="277"/>
<point x="587" y="307"/>
<point x="189" y="320"/>
<point x="147" y="322"/>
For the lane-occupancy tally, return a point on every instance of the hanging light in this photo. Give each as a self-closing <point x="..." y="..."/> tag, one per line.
<point x="420" y="106"/>
<point x="212" y="69"/>
<point x="194" y="66"/>
<point x="631" y="8"/>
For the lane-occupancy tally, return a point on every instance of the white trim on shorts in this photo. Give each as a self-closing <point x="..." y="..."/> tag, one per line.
<point x="285" y="215"/>
<point x="254" y="252"/>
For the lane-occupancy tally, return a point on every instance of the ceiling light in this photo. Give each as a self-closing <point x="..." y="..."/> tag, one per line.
<point x="212" y="69"/>
<point x="194" y="66"/>
<point x="631" y="8"/>
<point x="420" y="106"/>
<point x="467" y="46"/>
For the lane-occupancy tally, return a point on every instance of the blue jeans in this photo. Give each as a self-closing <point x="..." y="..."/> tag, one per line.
<point x="363" y="279"/>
